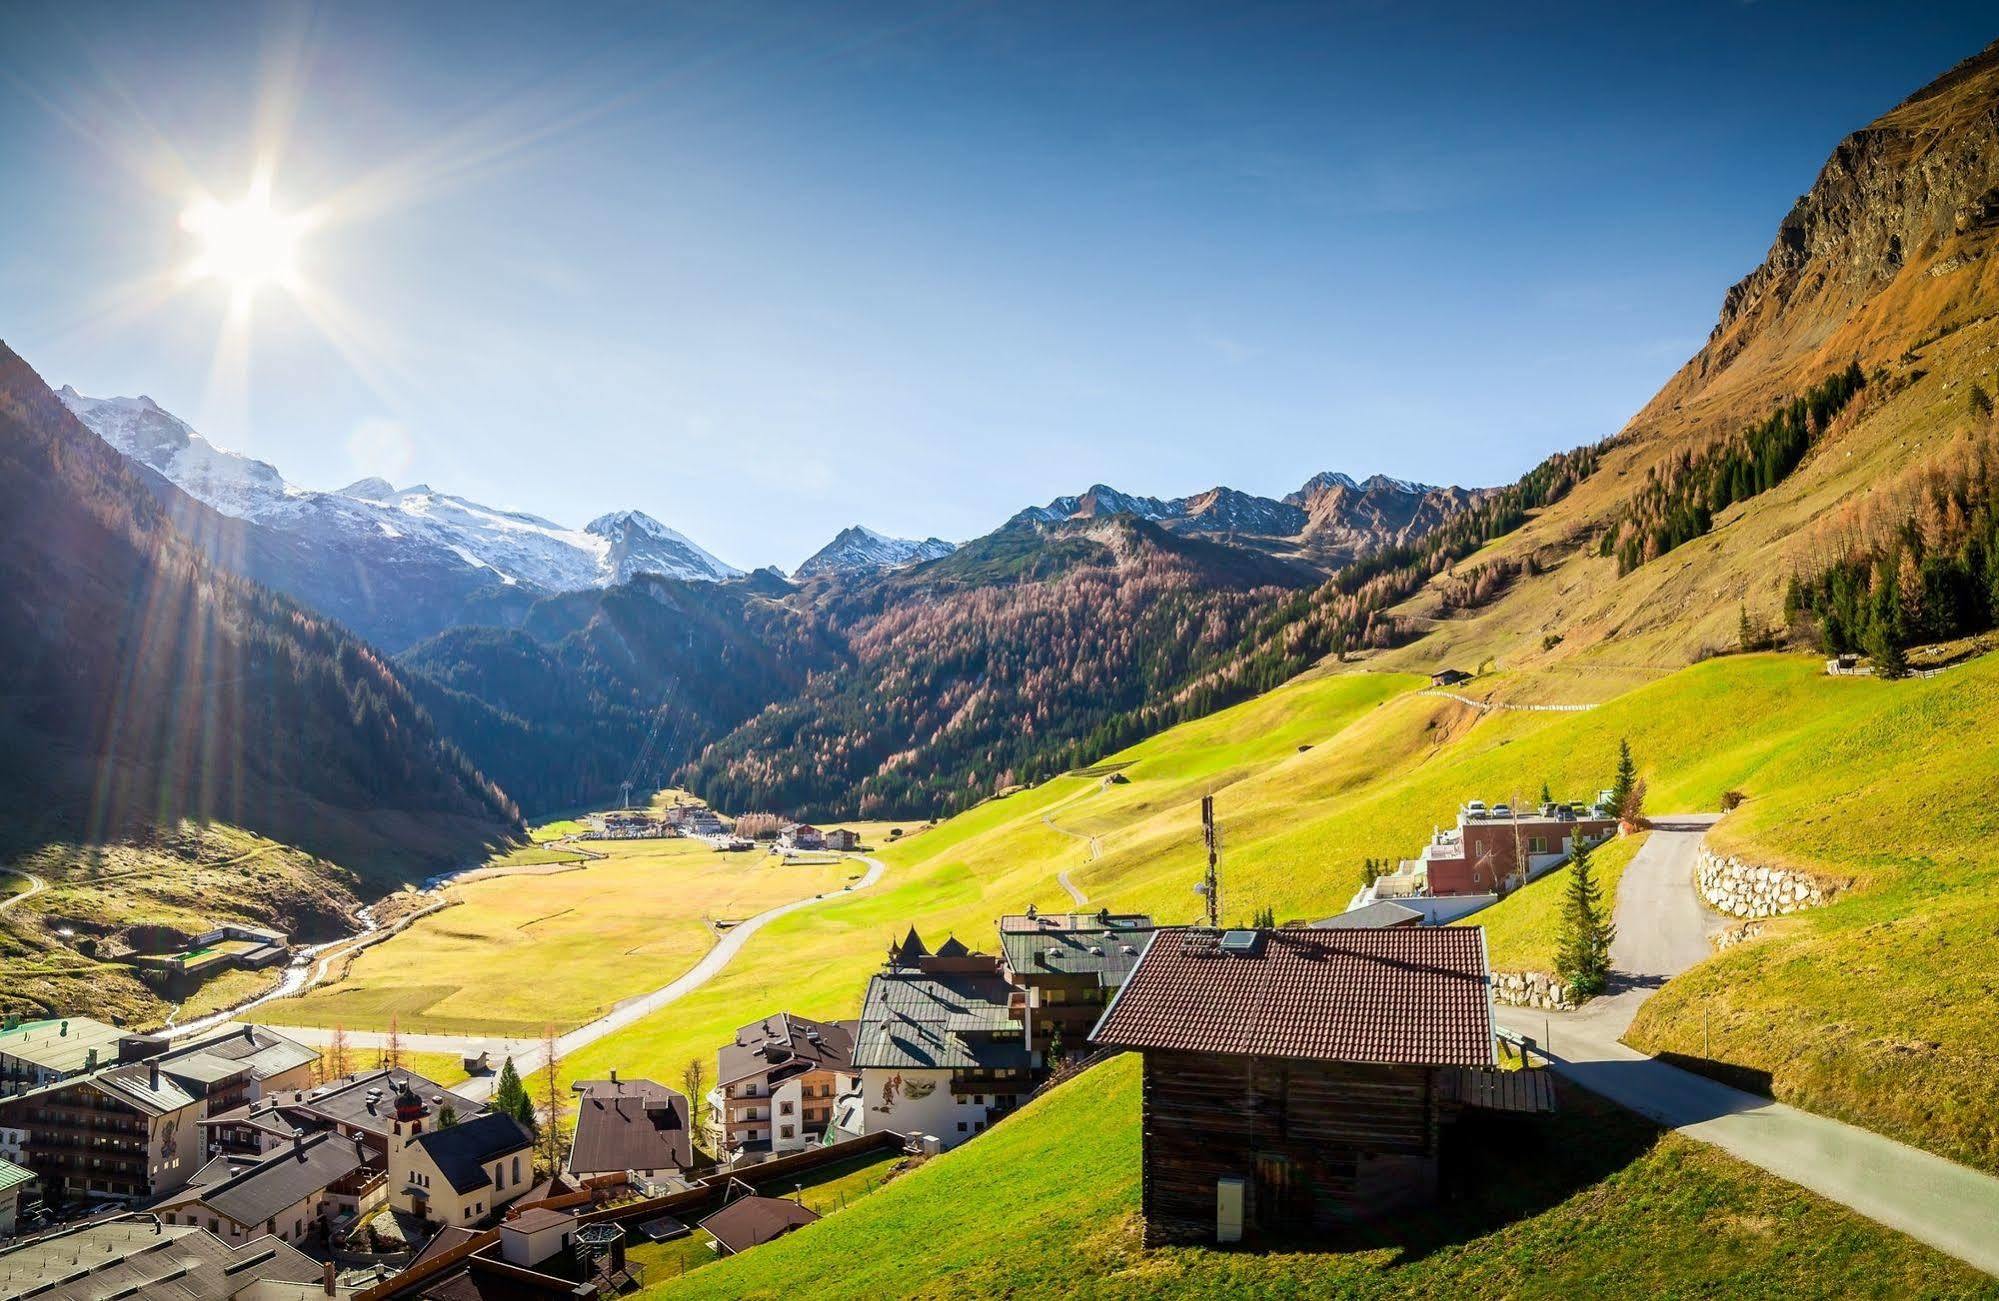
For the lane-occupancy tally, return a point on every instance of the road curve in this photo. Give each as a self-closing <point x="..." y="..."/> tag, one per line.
<point x="527" y="1053"/>
<point x="35" y="886"/>
<point x="1662" y="929"/>
<point x="1074" y="893"/>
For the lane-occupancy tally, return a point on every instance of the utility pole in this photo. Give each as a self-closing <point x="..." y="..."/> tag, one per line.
<point x="1212" y="886"/>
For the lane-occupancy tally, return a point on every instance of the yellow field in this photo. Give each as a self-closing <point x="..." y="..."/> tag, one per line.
<point x="524" y="951"/>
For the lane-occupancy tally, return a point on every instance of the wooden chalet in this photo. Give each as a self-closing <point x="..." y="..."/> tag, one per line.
<point x="1295" y="1079"/>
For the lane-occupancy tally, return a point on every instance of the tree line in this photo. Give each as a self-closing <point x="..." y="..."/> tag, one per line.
<point x="1915" y="561"/>
<point x="1681" y="497"/>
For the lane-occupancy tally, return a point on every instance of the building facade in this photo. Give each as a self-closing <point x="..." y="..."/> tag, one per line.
<point x="777" y="1084"/>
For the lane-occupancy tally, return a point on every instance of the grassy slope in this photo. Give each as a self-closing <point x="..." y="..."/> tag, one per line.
<point x="570" y="943"/>
<point x="1521" y="929"/>
<point x="1593" y="1202"/>
<point x="1873" y="782"/>
<point x="183" y="881"/>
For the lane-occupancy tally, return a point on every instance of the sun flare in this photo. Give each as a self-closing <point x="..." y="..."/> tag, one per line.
<point x="248" y="245"/>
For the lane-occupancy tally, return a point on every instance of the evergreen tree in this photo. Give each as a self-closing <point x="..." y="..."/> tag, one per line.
<point x="511" y="1096"/>
<point x="1885" y="651"/>
<point x="1627" y="773"/>
<point x="1582" y="956"/>
<point x="1546" y="798"/>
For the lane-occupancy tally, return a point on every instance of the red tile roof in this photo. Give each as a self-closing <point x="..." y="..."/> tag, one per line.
<point x="1407" y="995"/>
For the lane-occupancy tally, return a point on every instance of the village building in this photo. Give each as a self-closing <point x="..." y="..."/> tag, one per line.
<point x="752" y="1221"/>
<point x="140" y="1257"/>
<point x="939" y="1051"/>
<point x="35" y="1053"/>
<point x="355" y="1105"/>
<point x="628" y="824"/>
<point x="801" y="837"/>
<point x="459" y="1173"/>
<point x="1372" y="916"/>
<point x="1064" y="967"/>
<point x="843" y="840"/>
<point x="127" y="1126"/>
<point x="230" y="946"/>
<point x="777" y="1084"/>
<point x="124" y="1132"/>
<point x="1491" y="851"/>
<point x="1297" y="1078"/>
<point x="295" y="1193"/>
<point x="630" y="1130"/>
<point x="15" y="1180"/>
<point x="1449" y="677"/>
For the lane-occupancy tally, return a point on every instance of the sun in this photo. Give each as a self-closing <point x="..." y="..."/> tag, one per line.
<point x="247" y="245"/>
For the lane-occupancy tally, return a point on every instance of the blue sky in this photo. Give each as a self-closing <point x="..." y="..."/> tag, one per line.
<point x="765" y="270"/>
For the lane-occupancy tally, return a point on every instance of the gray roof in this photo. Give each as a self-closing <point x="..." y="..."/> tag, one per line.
<point x="1108" y="954"/>
<point x="12" y="1176"/>
<point x="630" y="1125"/>
<point x="347" y="1100"/>
<point x="277" y="1182"/>
<point x="748" y="1221"/>
<point x="263" y="1051"/>
<point x="932" y="1020"/>
<point x="134" y="1256"/>
<point x="62" y="1045"/>
<point x="461" y="1150"/>
<point x="1382" y="912"/>
<point x="784" y="1045"/>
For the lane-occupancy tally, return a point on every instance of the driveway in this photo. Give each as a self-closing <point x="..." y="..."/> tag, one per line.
<point x="1662" y="929"/>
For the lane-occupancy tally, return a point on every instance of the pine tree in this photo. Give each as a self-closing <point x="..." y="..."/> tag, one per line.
<point x="1885" y="651"/>
<point x="1546" y="797"/>
<point x="1627" y="773"/>
<point x="511" y="1096"/>
<point x="1582" y="956"/>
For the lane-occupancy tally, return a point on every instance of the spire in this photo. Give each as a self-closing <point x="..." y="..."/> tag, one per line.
<point x="911" y="948"/>
<point x="951" y="948"/>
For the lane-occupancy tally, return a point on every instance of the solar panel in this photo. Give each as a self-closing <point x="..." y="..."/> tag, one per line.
<point x="1242" y="944"/>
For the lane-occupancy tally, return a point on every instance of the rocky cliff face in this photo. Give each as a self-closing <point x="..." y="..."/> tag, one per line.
<point x="1893" y="236"/>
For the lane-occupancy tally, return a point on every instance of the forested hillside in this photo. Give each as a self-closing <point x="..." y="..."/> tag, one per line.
<point x="561" y="709"/>
<point x="144" y="686"/>
<point x="991" y="667"/>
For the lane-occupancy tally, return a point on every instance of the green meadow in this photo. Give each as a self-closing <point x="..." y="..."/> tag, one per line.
<point x="1590" y="1202"/>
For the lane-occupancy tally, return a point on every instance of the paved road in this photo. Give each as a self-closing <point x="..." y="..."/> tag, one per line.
<point x="1662" y="929"/>
<point x="527" y="1053"/>
<point x="35" y="886"/>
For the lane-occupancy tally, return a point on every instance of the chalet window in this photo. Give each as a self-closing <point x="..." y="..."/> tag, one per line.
<point x="784" y="1131"/>
<point x="784" y="1108"/>
<point x="1537" y="845"/>
<point x="961" y="1127"/>
<point x="517" y="1169"/>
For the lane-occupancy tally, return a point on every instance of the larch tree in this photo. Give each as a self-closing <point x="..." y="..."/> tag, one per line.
<point x="551" y="1104"/>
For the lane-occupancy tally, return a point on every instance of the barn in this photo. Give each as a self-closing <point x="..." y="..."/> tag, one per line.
<point x="1296" y="1079"/>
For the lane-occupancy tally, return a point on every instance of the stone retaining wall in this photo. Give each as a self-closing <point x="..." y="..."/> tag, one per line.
<point x="1531" y="989"/>
<point x="1742" y="889"/>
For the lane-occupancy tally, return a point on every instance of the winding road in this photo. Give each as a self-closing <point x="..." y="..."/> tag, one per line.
<point x="1662" y="929"/>
<point x="1075" y="892"/>
<point x="35" y="886"/>
<point x="528" y="1054"/>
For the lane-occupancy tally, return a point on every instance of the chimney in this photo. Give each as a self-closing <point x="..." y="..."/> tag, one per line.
<point x="298" y="1144"/>
<point x="326" y="1279"/>
<point x="153" y="1075"/>
<point x="615" y="1086"/>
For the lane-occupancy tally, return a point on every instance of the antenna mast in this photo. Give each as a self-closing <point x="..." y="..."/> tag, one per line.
<point x="1211" y="887"/>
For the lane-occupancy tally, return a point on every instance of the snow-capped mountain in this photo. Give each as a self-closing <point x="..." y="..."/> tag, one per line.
<point x="428" y="546"/>
<point x="862" y="550"/>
